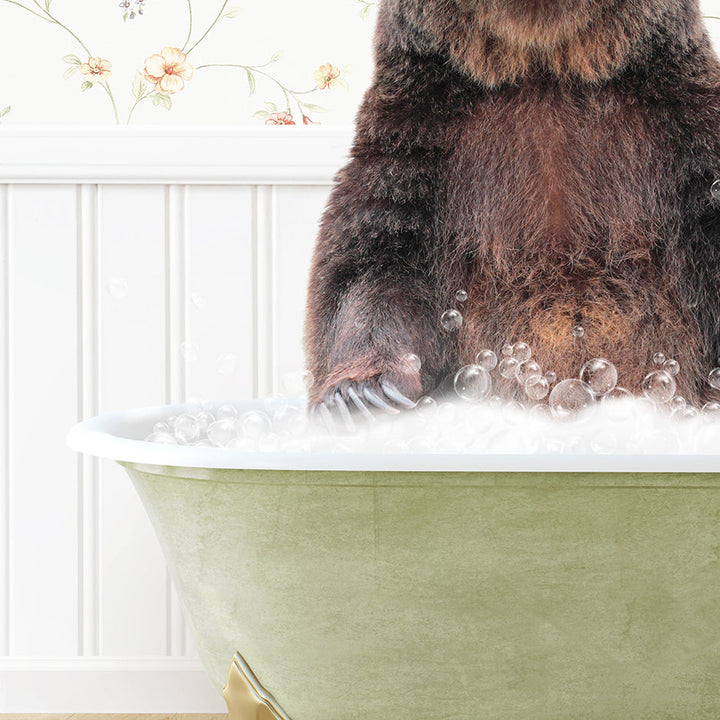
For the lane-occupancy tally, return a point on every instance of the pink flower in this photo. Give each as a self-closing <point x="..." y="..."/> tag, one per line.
<point x="327" y="76"/>
<point x="169" y="70"/>
<point x="280" y="118"/>
<point x="97" y="69"/>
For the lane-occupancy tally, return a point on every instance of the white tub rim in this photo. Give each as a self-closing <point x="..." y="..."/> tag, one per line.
<point x="111" y="436"/>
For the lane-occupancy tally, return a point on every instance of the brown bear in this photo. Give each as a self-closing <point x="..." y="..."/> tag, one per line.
<point x="552" y="158"/>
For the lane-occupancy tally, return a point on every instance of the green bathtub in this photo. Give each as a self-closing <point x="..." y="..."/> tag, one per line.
<point x="588" y="589"/>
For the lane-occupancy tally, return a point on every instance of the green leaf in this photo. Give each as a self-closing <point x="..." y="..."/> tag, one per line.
<point x="365" y="12"/>
<point x="261" y="115"/>
<point x="276" y="56"/>
<point x="47" y="6"/>
<point x="162" y="100"/>
<point x="313" y="108"/>
<point x="343" y="83"/>
<point x="271" y="107"/>
<point x="138" y="85"/>
<point x="4" y="111"/>
<point x="70" y="71"/>
<point x="251" y="81"/>
<point x="232" y="12"/>
<point x="72" y="60"/>
<point x="86" y="85"/>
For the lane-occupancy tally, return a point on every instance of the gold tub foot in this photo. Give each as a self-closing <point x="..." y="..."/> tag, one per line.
<point x="246" y="698"/>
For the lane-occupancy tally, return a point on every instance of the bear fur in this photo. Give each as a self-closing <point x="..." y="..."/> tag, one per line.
<point x="554" y="159"/>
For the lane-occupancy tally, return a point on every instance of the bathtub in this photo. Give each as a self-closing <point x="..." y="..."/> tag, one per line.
<point x="396" y="587"/>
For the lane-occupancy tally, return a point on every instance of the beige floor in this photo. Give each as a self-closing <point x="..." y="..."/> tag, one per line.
<point x="114" y="717"/>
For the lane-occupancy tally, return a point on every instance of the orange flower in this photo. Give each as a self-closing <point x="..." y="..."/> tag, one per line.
<point x="169" y="70"/>
<point x="97" y="69"/>
<point x="326" y="76"/>
<point x="280" y="118"/>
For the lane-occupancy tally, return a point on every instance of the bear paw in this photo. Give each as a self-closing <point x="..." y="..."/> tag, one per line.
<point x="343" y="403"/>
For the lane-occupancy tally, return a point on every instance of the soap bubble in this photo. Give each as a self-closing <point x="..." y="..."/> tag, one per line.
<point x="204" y="420"/>
<point x="486" y="359"/>
<point x="715" y="190"/>
<point x="186" y="429"/>
<point x="189" y="351"/>
<point x="537" y="387"/>
<point x="161" y="427"/>
<point x="526" y="370"/>
<point x="426" y="407"/>
<point x="255" y="423"/>
<point x="117" y="288"/>
<point x="521" y="352"/>
<point x="162" y="438"/>
<point x="508" y="367"/>
<point x="578" y="331"/>
<point x="677" y="402"/>
<point x="686" y="412"/>
<point x="461" y="295"/>
<point x="198" y="300"/>
<point x="551" y="377"/>
<point x="472" y="383"/>
<point x="226" y="412"/>
<point x="508" y="349"/>
<point x="659" y="358"/>
<point x="451" y="320"/>
<point x="221" y="432"/>
<point x="412" y="362"/>
<point x="601" y="375"/>
<point x="571" y="397"/>
<point x="540" y="412"/>
<point x="659" y="387"/>
<point x="671" y="367"/>
<point x="714" y="378"/>
<point x="172" y="420"/>
<point x="226" y="364"/>
<point x="711" y="409"/>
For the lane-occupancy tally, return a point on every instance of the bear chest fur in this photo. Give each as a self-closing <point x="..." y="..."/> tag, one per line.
<point x="558" y="211"/>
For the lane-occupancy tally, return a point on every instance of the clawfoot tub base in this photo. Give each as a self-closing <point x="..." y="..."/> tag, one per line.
<point x="245" y="696"/>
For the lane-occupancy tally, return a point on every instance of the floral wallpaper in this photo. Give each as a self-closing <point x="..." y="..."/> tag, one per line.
<point x="245" y="62"/>
<point x="184" y="61"/>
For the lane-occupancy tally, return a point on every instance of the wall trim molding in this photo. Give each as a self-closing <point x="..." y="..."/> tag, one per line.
<point x="106" y="685"/>
<point x="288" y="155"/>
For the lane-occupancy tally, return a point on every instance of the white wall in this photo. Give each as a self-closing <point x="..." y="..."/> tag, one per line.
<point x="109" y="264"/>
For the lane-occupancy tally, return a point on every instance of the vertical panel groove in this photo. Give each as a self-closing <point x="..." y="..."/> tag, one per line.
<point x="176" y="278"/>
<point x="88" y="406"/>
<point x="5" y="426"/>
<point x="264" y="301"/>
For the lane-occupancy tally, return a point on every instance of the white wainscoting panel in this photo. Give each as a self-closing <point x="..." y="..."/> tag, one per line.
<point x="137" y="267"/>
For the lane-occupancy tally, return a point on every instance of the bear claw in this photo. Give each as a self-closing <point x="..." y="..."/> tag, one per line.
<point x="345" y="402"/>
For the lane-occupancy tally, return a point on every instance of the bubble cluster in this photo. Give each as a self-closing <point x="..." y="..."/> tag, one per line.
<point x="461" y="296"/>
<point x="598" y="415"/>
